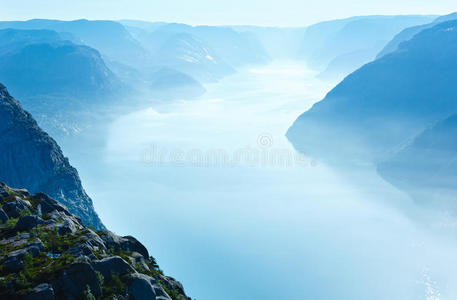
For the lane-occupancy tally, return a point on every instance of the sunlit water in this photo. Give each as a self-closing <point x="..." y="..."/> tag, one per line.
<point x="221" y="199"/>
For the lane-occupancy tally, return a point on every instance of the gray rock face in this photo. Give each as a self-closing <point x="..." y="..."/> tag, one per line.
<point x="81" y="250"/>
<point x="3" y="191"/>
<point x="35" y="247"/>
<point x="41" y="292"/>
<point x="144" y="287"/>
<point x="48" y="205"/>
<point x="126" y="243"/>
<point x="113" y="265"/>
<point x="14" y="208"/>
<point x="14" y="262"/>
<point x="3" y="216"/>
<point x="28" y="222"/>
<point x="140" y="260"/>
<point x="43" y="167"/>
<point x="93" y="240"/>
<point x="75" y="279"/>
<point x="67" y="227"/>
<point x="172" y="284"/>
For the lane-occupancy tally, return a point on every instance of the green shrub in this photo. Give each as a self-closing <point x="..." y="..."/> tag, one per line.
<point x="115" y="286"/>
<point x="88" y="294"/>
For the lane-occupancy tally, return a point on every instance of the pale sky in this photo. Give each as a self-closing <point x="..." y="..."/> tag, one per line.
<point x="214" y="12"/>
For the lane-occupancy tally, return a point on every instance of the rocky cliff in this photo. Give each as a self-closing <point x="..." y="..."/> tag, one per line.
<point x="47" y="253"/>
<point x="30" y="158"/>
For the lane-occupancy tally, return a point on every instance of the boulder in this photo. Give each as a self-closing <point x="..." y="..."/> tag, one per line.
<point x="35" y="247"/>
<point x="144" y="287"/>
<point x="3" y="216"/>
<point x="133" y="245"/>
<point x="68" y="226"/>
<point x="63" y="224"/>
<point x="73" y="282"/>
<point x="43" y="291"/>
<point x="37" y="243"/>
<point x="81" y="250"/>
<point x="14" y="262"/>
<point x="34" y="250"/>
<point x="3" y="192"/>
<point x="172" y="284"/>
<point x="28" y="222"/>
<point x="113" y="265"/>
<point x="14" y="208"/>
<point x="137" y="258"/>
<point x="93" y="240"/>
<point x="126" y="243"/>
<point x="21" y="192"/>
<point x="47" y="205"/>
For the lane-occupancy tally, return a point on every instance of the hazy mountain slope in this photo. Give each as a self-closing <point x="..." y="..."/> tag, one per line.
<point x="190" y="55"/>
<point x="31" y="159"/>
<point x="429" y="159"/>
<point x="408" y="33"/>
<point x="427" y="166"/>
<point x="386" y="101"/>
<point x="324" y="42"/>
<point x="108" y="37"/>
<point x="278" y="42"/>
<point x="58" y="81"/>
<point x="235" y="48"/>
<point x="344" y="64"/>
<point x="167" y="83"/>
<point x="12" y="39"/>
<point x="144" y="25"/>
<point x="54" y="69"/>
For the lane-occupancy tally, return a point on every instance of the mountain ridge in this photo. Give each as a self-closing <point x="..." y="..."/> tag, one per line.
<point x="364" y="115"/>
<point x="31" y="159"/>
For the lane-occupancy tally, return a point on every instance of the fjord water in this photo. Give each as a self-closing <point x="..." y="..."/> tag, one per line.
<point x="223" y="202"/>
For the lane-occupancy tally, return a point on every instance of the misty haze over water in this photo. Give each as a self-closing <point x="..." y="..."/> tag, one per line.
<point x="233" y="205"/>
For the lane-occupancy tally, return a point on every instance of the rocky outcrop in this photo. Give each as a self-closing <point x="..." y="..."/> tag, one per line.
<point x="31" y="159"/>
<point x="144" y="287"/>
<point x="42" y="292"/>
<point x="39" y="261"/>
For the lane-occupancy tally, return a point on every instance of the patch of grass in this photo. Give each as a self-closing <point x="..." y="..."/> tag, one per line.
<point x="125" y="255"/>
<point x="115" y="286"/>
<point x="174" y="294"/>
<point x="53" y="241"/>
<point x="11" y="222"/>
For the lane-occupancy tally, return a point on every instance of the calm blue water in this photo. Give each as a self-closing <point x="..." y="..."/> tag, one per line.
<point x="220" y="198"/>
